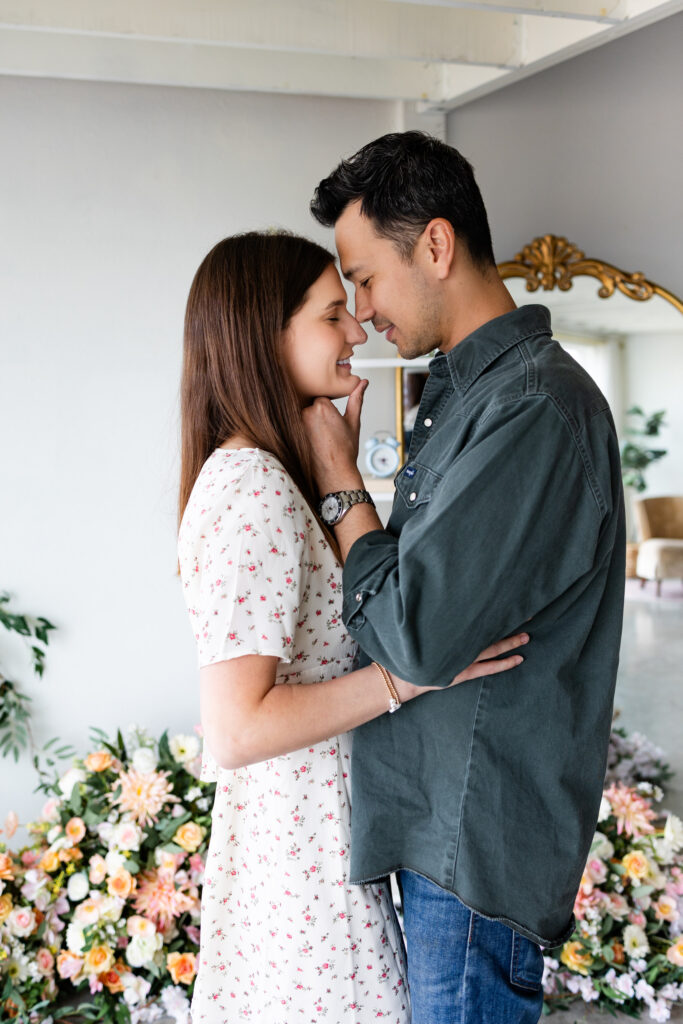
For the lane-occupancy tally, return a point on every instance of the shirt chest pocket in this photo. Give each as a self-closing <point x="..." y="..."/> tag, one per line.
<point x="416" y="485"/>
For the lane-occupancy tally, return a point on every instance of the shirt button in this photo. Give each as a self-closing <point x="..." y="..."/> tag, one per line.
<point x="428" y="422"/>
<point x="413" y="495"/>
<point x="359" y="597"/>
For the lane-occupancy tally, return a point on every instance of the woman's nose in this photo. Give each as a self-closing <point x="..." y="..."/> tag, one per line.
<point x="357" y="334"/>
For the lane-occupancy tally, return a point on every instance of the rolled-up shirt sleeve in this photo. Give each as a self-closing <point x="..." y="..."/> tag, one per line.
<point x="511" y="524"/>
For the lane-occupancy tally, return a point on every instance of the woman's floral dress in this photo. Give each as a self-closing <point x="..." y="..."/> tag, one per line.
<point x="284" y="938"/>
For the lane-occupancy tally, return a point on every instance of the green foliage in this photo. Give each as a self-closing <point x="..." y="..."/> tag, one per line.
<point x="15" y="713"/>
<point x="637" y="455"/>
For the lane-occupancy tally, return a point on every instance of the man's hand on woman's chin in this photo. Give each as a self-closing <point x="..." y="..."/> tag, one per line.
<point x="334" y="441"/>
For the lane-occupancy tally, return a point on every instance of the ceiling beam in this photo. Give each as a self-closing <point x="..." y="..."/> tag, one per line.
<point x="112" y="59"/>
<point x="605" y="11"/>
<point x="371" y="29"/>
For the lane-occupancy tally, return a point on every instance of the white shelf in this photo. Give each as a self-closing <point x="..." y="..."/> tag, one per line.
<point x="381" y="488"/>
<point x="381" y="364"/>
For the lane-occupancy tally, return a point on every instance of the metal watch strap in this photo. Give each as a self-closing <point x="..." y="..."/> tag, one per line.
<point x="351" y="498"/>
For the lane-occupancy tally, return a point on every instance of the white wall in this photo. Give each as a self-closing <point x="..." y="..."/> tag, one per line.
<point x="111" y="195"/>
<point x="654" y="380"/>
<point x="590" y="149"/>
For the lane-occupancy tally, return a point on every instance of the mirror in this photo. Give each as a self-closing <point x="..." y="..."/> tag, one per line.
<point x="624" y="329"/>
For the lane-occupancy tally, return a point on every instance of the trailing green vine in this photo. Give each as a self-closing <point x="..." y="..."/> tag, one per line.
<point x="15" y="711"/>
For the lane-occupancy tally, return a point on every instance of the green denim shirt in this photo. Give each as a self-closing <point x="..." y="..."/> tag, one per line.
<point x="508" y="516"/>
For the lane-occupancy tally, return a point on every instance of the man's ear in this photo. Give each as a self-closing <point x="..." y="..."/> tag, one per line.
<point x="440" y="245"/>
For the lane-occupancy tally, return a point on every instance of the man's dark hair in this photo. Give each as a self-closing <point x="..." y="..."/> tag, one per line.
<point x="404" y="180"/>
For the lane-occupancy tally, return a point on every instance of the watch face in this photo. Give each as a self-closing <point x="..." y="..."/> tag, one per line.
<point x="383" y="460"/>
<point x="331" y="508"/>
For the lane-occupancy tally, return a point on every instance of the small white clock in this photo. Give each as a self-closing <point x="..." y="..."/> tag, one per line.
<point x="381" y="455"/>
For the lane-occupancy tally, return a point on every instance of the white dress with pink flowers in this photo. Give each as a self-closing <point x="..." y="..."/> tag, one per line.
<point x="284" y="938"/>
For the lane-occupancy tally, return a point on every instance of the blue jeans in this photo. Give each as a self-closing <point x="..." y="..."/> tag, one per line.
<point x="462" y="967"/>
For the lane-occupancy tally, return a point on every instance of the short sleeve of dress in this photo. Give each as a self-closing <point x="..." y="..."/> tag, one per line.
<point x="241" y="553"/>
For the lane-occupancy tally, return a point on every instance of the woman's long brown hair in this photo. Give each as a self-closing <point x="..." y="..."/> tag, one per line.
<point x="234" y="381"/>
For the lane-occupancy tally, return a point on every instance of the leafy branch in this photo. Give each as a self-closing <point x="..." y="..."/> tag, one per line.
<point x="15" y="712"/>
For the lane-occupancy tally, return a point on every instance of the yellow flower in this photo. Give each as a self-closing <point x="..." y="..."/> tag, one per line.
<point x="5" y="906"/>
<point x="189" y="836"/>
<point x="98" y="761"/>
<point x="636" y="865"/>
<point x="182" y="967"/>
<point x="98" y="960"/>
<point x="576" y="958"/>
<point x="6" y="867"/>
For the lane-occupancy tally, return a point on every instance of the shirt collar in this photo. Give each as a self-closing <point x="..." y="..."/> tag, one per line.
<point x="468" y="359"/>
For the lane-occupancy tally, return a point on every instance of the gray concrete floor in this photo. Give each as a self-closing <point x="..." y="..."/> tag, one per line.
<point x="649" y="699"/>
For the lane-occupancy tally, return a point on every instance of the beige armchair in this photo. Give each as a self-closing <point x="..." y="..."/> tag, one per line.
<point x="660" y="524"/>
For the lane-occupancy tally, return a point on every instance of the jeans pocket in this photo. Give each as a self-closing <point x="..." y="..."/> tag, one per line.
<point x="526" y="963"/>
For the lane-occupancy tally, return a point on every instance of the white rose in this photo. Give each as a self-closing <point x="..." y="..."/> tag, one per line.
<point x="114" y="860"/>
<point x="144" y="760"/>
<point x="135" y="989"/>
<point x="78" y="887"/>
<point x="126" y="836"/>
<point x="105" y="831"/>
<point x="69" y="780"/>
<point x="673" y="832"/>
<point x="21" y="922"/>
<point x="605" y="809"/>
<point x="141" y="949"/>
<point x="111" y="908"/>
<point x="75" y="939"/>
<point x="601" y="846"/>
<point x="184" y="748"/>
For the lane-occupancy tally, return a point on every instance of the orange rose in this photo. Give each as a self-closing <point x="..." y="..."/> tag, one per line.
<point x="5" y="906"/>
<point x="576" y="958"/>
<point x="49" y="861"/>
<point x="182" y="967"/>
<point x="67" y="855"/>
<point x="121" y="884"/>
<point x="111" y="979"/>
<point x="618" y="951"/>
<point x="189" y="836"/>
<point x="75" y="830"/>
<point x="6" y="867"/>
<point x="98" y="960"/>
<point x="98" y="761"/>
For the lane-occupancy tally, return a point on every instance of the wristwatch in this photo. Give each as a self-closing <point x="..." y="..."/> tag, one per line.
<point x="334" y="506"/>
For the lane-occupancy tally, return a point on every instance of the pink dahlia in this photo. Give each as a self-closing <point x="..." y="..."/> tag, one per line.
<point x="633" y="813"/>
<point x="161" y="897"/>
<point x="143" y="796"/>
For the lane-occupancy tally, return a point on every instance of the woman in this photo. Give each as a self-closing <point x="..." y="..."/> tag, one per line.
<point x="284" y="937"/>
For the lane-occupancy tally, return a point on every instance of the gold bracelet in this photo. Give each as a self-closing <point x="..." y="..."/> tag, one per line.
<point x="394" y="702"/>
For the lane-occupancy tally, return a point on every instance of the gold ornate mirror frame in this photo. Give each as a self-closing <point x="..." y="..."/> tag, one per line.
<point x="551" y="262"/>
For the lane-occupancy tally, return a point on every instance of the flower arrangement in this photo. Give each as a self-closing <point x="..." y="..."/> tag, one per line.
<point x="626" y="952"/>
<point x="104" y="902"/>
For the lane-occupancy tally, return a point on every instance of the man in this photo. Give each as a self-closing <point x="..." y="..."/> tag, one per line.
<point x="508" y="515"/>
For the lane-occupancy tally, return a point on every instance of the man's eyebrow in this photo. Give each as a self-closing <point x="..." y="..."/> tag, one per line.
<point x="350" y="272"/>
